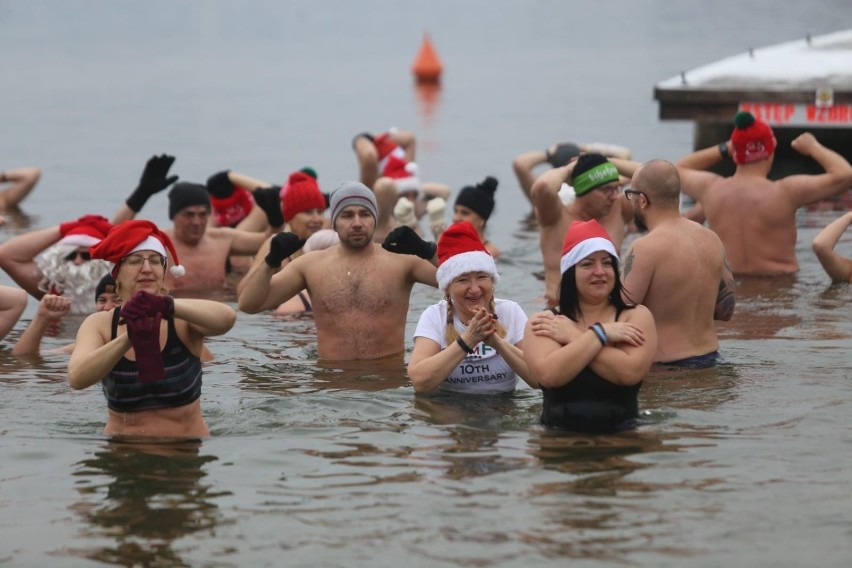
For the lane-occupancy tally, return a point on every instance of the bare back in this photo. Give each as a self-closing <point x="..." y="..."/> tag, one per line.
<point x="360" y="302"/>
<point x="675" y="271"/>
<point x="756" y="220"/>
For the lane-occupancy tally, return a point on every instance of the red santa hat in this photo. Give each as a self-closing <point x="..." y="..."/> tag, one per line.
<point x="752" y="139"/>
<point x="232" y="209"/>
<point x="384" y="145"/>
<point x="582" y="239"/>
<point x="403" y="173"/>
<point x="130" y="236"/>
<point x="301" y="193"/>
<point x="460" y="251"/>
<point x="86" y="231"/>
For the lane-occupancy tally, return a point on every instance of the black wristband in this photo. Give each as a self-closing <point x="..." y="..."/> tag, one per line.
<point x="723" y="149"/>
<point x="599" y="332"/>
<point x="465" y="347"/>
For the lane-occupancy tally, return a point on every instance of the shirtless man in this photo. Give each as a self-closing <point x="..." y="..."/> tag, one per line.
<point x="756" y="217"/>
<point x="203" y="250"/>
<point x="837" y="266"/>
<point x="678" y="270"/>
<point x="360" y="291"/>
<point x="559" y="155"/>
<point x="597" y="186"/>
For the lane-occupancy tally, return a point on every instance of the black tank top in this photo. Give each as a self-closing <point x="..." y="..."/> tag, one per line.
<point x="126" y="393"/>
<point x="590" y="404"/>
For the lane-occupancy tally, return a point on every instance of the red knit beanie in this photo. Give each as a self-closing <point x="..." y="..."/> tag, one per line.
<point x="752" y="139"/>
<point x="301" y="194"/>
<point x="129" y="236"/>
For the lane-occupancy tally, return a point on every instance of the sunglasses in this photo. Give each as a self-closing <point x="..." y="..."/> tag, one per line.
<point x="72" y="256"/>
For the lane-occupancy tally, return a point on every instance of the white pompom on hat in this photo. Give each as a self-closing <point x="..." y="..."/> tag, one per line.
<point x="460" y="251"/>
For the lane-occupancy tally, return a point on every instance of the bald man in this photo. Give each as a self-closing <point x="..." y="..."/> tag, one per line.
<point x="678" y="270"/>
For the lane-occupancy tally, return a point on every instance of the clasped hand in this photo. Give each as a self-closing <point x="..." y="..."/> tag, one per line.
<point x="482" y="327"/>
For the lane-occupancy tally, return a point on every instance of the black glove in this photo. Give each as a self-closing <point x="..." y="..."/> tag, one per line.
<point x="153" y="180"/>
<point x="219" y="185"/>
<point x="404" y="240"/>
<point x="562" y="155"/>
<point x="267" y="198"/>
<point x="281" y="246"/>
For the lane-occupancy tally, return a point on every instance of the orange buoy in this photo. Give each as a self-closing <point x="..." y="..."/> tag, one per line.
<point x="427" y="67"/>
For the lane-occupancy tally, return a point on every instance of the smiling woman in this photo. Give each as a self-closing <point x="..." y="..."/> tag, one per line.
<point x="472" y="341"/>
<point x="590" y="357"/>
<point x="151" y="379"/>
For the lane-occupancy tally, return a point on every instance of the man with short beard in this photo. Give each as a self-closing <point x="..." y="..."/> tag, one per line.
<point x="679" y="271"/>
<point x="56" y="260"/>
<point x="360" y="290"/>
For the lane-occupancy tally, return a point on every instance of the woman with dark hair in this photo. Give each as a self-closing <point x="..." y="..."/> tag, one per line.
<point x="591" y="356"/>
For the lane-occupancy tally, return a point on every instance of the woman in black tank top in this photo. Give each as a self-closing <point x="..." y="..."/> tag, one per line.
<point x="591" y="356"/>
<point x="152" y="384"/>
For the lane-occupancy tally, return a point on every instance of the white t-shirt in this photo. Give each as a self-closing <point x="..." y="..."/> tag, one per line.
<point x="483" y="371"/>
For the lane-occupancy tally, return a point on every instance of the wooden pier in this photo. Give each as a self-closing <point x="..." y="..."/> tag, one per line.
<point x="797" y="86"/>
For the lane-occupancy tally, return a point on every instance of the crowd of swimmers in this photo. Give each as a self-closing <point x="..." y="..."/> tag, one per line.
<point x="350" y="257"/>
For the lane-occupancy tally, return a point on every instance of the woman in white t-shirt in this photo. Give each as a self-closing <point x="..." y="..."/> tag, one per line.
<point x="470" y="342"/>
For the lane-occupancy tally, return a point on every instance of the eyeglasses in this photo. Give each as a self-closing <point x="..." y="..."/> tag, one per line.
<point x="628" y="191"/>
<point x="136" y="260"/>
<point x="609" y="190"/>
<point x="84" y="254"/>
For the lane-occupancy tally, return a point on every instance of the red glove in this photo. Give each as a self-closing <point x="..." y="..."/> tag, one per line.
<point x="94" y="223"/>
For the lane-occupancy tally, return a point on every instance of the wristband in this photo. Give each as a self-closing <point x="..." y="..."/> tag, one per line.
<point x="598" y="330"/>
<point x="723" y="149"/>
<point x="465" y="347"/>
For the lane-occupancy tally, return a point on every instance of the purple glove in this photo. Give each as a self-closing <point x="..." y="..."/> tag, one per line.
<point x="143" y="314"/>
<point x="146" y="304"/>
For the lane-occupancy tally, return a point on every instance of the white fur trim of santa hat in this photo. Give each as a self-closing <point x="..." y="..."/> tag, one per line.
<point x="584" y="249"/>
<point x="462" y="263"/>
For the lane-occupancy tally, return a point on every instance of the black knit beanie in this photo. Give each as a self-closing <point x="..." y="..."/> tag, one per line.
<point x="479" y="198"/>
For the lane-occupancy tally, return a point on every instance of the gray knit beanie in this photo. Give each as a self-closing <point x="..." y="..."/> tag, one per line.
<point x="352" y="193"/>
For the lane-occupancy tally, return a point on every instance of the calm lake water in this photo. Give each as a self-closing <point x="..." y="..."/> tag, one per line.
<point x="744" y="465"/>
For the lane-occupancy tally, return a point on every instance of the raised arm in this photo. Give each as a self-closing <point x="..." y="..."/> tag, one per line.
<point x="17" y="257"/>
<point x="243" y="242"/>
<point x="94" y="357"/>
<point x="838" y="267"/>
<point x="206" y="317"/>
<point x="264" y="287"/>
<point x="545" y="194"/>
<point x="807" y="189"/>
<point x="51" y="309"/>
<point x="524" y="164"/>
<point x="13" y="301"/>
<point x="155" y="178"/>
<point x="21" y="181"/>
